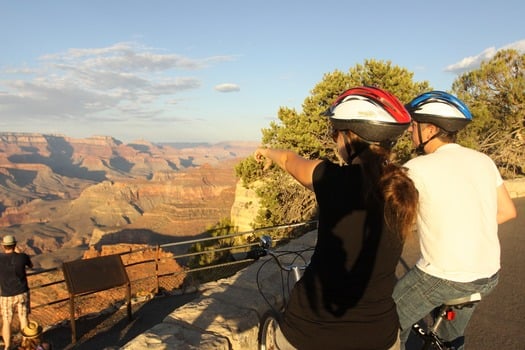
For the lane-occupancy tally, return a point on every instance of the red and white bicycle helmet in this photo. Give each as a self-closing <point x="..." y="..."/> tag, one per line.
<point x="441" y="109"/>
<point x="373" y="114"/>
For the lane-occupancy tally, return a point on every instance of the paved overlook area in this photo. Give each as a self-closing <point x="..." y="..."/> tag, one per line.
<point x="225" y="314"/>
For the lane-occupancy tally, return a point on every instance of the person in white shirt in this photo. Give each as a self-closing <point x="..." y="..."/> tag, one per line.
<point x="462" y="199"/>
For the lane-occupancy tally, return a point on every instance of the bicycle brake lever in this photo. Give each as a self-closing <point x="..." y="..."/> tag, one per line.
<point x="266" y="242"/>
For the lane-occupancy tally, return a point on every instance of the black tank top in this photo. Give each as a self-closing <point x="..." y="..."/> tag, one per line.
<point x="344" y="300"/>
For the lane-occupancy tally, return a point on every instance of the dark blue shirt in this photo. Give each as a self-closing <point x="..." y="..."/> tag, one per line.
<point x="13" y="278"/>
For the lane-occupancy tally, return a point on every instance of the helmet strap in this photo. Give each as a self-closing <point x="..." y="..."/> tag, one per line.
<point x="350" y="151"/>
<point x="420" y="149"/>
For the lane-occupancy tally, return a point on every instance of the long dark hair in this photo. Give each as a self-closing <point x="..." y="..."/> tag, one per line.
<point x="391" y="182"/>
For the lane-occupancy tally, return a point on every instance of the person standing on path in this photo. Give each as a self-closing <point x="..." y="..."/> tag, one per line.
<point x="14" y="289"/>
<point x="462" y="199"/>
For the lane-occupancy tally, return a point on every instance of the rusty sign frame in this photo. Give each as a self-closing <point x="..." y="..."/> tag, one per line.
<point x="94" y="275"/>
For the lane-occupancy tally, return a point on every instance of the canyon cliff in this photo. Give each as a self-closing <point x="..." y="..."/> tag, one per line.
<point x="60" y="195"/>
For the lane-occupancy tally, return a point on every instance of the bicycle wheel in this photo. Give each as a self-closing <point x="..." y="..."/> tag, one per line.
<point x="267" y="330"/>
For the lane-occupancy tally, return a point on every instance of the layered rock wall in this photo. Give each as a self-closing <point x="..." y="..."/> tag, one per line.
<point x="59" y="189"/>
<point x="245" y="206"/>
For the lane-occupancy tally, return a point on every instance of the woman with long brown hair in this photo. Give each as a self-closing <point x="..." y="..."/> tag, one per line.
<point x="366" y="210"/>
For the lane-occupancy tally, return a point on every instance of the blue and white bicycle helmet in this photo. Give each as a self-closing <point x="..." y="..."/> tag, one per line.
<point x="441" y="109"/>
<point x="373" y="114"/>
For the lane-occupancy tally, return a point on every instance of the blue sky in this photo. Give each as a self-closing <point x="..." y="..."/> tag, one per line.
<point x="183" y="71"/>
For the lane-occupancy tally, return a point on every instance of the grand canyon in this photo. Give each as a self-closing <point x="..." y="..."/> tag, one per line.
<point x="60" y="196"/>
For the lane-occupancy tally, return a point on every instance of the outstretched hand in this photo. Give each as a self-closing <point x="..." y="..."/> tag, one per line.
<point x="260" y="156"/>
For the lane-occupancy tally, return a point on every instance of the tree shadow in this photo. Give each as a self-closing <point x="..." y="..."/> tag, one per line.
<point x="145" y="236"/>
<point x="113" y="328"/>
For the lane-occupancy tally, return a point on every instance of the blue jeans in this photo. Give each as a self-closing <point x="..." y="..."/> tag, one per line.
<point x="416" y="294"/>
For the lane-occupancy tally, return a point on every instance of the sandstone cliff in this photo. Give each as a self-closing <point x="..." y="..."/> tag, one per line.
<point x="245" y="207"/>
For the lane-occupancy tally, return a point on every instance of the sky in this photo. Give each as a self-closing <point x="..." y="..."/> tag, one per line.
<point x="212" y="71"/>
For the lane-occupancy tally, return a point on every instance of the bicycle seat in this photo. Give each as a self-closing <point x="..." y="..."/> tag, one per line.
<point x="467" y="301"/>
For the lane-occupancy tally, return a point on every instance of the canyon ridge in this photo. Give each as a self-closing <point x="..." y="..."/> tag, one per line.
<point x="61" y="195"/>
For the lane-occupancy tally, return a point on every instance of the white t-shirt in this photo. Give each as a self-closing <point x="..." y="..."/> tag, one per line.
<point x="457" y="218"/>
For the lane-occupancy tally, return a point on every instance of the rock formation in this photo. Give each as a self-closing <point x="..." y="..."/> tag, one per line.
<point x="58" y="194"/>
<point x="245" y="207"/>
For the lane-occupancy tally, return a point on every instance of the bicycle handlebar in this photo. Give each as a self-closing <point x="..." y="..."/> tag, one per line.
<point x="294" y="267"/>
<point x="265" y="249"/>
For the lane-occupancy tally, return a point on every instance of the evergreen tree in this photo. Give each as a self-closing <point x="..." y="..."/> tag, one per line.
<point x="306" y="132"/>
<point x="495" y="94"/>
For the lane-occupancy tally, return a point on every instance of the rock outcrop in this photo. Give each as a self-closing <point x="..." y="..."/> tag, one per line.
<point x="245" y="207"/>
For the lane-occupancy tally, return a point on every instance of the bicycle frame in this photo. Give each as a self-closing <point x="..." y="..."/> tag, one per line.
<point x="269" y="321"/>
<point x="445" y="313"/>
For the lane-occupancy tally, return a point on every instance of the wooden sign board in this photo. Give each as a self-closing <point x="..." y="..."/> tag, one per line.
<point x="93" y="275"/>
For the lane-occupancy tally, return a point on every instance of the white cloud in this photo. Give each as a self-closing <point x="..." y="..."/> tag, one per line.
<point x="123" y="57"/>
<point x="227" y="87"/>
<point x="473" y="62"/>
<point x="124" y="81"/>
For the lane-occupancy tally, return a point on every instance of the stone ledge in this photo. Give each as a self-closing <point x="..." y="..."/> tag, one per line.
<point x="516" y="187"/>
<point x="176" y="336"/>
<point x="227" y="313"/>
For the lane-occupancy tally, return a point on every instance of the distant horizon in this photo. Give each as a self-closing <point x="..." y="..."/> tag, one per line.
<point x="190" y="143"/>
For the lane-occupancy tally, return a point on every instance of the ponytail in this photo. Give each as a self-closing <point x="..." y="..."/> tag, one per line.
<point x="390" y="182"/>
<point x="401" y="200"/>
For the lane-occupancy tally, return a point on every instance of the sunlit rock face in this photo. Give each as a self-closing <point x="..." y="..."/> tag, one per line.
<point x="245" y="207"/>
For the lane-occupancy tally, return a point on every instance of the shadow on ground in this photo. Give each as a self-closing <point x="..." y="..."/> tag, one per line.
<point x="113" y="330"/>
